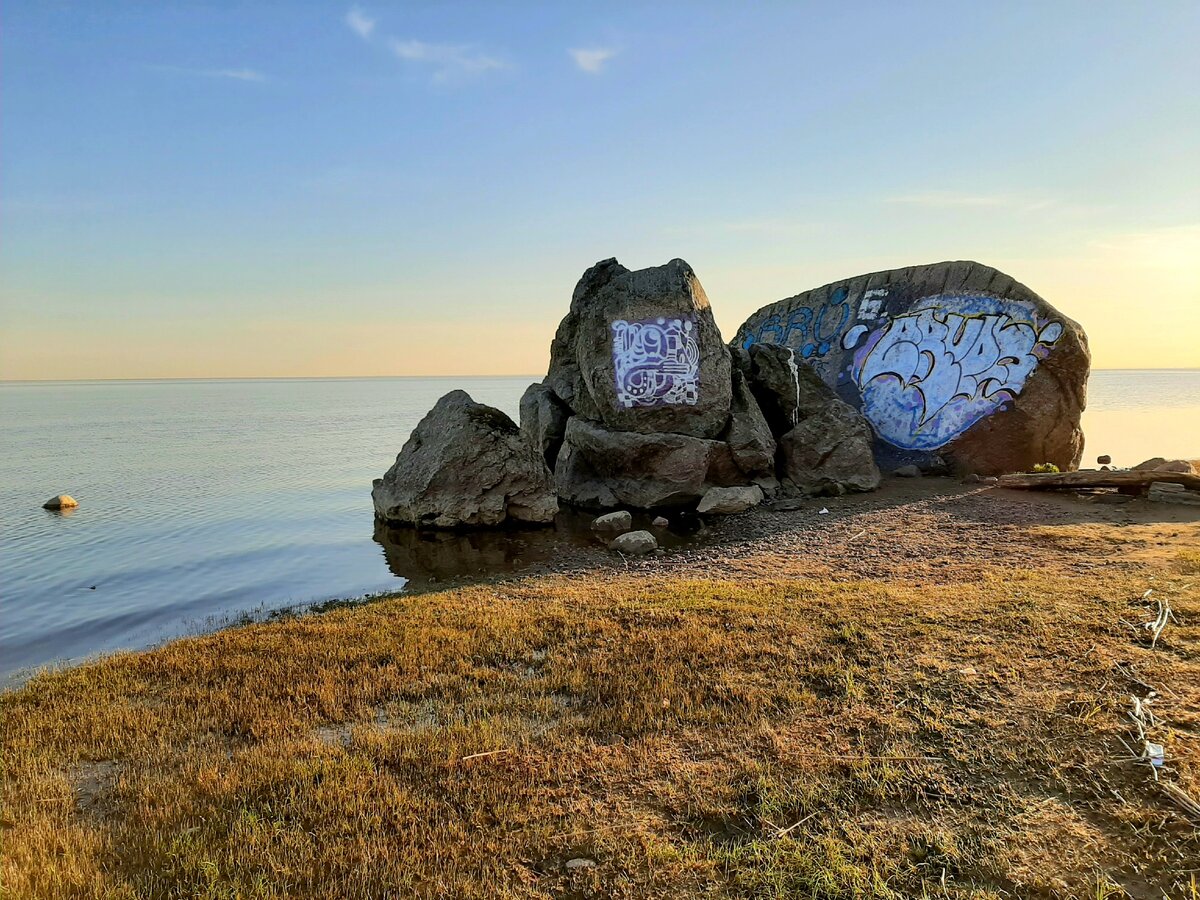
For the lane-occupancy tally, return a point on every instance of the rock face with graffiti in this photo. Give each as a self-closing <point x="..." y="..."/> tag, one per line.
<point x="645" y="405"/>
<point x="954" y="362"/>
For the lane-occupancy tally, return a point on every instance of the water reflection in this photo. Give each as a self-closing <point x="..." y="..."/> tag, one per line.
<point x="425" y="558"/>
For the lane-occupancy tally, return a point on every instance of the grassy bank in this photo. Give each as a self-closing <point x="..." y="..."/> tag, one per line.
<point x="730" y="736"/>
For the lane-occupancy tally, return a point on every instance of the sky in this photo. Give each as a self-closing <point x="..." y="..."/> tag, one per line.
<point x="236" y="189"/>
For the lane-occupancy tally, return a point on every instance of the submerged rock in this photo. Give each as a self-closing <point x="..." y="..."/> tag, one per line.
<point x="954" y="359"/>
<point x="614" y="522"/>
<point x="61" y="501"/>
<point x="465" y="465"/>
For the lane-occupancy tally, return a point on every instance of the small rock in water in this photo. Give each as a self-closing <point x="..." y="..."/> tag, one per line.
<point x="722" y="501"/>
<point x="1104" y="460"/>
<point x="614" y="522"/>
<point x="62" y="501"/>
<point x="580" y="863"/>
<point x="909" y="471"/>
<point x="634" y="543"/>
<point x="660" y="522"/>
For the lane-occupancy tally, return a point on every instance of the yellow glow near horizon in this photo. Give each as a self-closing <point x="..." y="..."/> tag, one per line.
<point x="1136" y="296"/>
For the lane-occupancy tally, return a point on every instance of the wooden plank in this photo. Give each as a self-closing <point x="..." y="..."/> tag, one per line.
<point x="1094" y="478"/>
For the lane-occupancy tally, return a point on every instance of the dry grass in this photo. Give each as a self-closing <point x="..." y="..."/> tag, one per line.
<point x="918" y="737"/>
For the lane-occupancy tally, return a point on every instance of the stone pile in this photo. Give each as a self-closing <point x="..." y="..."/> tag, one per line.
<point x="644" y="406"/>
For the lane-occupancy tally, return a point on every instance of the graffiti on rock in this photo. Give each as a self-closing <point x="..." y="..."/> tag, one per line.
<point x="927" y="376"/>
<point x="811" y="333"/>
<point x="657" y="362"/>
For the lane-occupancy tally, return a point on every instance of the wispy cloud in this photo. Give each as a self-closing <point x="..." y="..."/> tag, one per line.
<point x="592" y="59"/>
<point x="447" y="61"/>
<point x="360" y="23"/>
<point x="229" y="74"/>
<point x="959" y="199"/>
<point x="235" y="74"/>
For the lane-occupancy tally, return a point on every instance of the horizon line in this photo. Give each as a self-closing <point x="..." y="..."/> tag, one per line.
<point x="14" y="381"/>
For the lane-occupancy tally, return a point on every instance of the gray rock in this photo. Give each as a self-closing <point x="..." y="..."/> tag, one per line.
<point x="1104" y="460"/>
<point x="599" y="468"/>
<point x="634" y="543"/>
<point x="783" y="387"/>
<point x="640" y="351"/>
<point x="748" y="435"/>
<point x="543" y="420"/>
<point x="1159" y="464"/>
<point x="465" y="465"/>
<point x="830" y="448"/>
<point x="580" y="863"/>
<point x="953" y="359"/>
<point x="909" y="471"/>
<point x="723" y="501"/>
<point x="1166" y="492"/>
<point x="971" y="478"/>
<point x="62" y="501"/>
<point x="660" y="522"/>
<point x="614" y="522"/>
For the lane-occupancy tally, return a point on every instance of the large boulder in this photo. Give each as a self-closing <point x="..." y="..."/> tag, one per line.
<point x="953" y="362"/>
<point x="465" y="465"/>
<point x="601" y="468"/>
<point x="640" y="351"/>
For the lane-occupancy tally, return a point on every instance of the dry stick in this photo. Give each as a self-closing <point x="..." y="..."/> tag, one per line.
<point x="1189" y="805"/>
<point x="487" y="753"/>
<point x="780" y="834"/>
<point x="856" y="537"/>
<point x="856" y="758"/>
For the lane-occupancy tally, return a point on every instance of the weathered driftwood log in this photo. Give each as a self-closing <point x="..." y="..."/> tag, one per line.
<point x="1094" y="478"/>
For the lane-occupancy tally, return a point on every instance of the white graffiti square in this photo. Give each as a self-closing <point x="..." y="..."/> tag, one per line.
<point x="656" y="362"/>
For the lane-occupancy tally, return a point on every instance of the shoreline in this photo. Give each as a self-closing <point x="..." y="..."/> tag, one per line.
<point x="929" y="685"/>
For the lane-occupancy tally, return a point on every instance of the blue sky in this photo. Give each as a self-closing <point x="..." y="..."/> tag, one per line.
<point x="207" y="189"/>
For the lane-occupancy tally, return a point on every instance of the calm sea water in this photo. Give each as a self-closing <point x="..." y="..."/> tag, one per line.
<point x="202" y="500"/>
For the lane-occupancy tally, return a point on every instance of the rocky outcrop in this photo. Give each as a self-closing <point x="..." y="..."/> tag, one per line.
<point x="954" y="361"/>
<point x="641" y="399"/>
<point x="465" y="465"/>
<point x="640" y="351"/>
